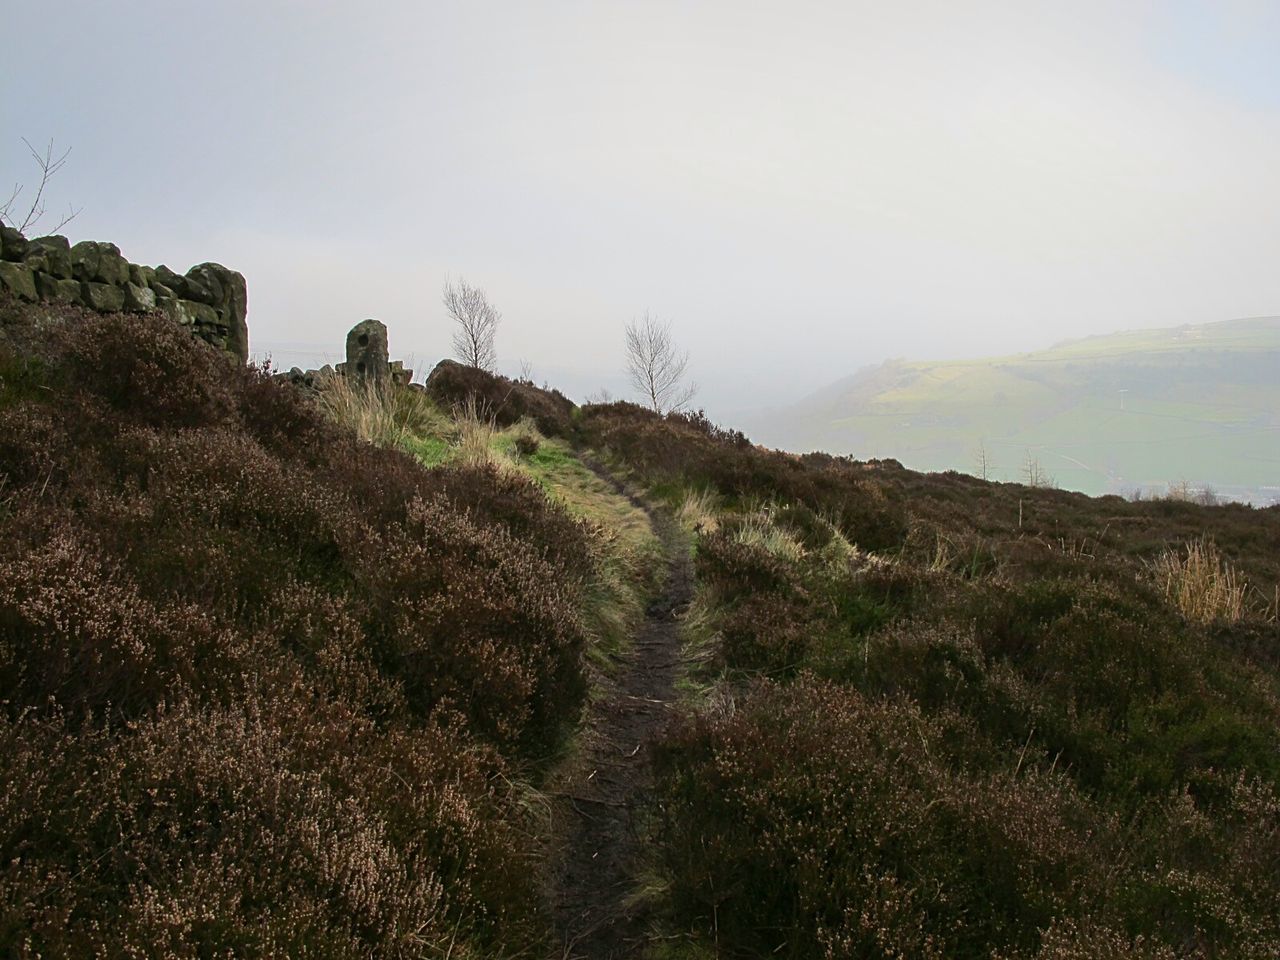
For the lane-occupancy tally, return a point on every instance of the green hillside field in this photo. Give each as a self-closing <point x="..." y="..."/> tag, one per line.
<point x="1142" y="410"/>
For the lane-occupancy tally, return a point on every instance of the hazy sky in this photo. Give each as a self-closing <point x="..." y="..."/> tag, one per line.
<point x="802" y="188"/>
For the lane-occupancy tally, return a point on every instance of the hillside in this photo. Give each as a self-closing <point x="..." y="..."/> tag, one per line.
<point x="1106" y="414"/>
<point x="321" y="665"/>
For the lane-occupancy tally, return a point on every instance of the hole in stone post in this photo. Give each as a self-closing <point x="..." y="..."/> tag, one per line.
<point x="360" y="367"/>
<point x="363" y="340"/>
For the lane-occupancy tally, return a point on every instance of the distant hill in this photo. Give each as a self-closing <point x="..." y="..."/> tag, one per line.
<point x="1140" y="410"/>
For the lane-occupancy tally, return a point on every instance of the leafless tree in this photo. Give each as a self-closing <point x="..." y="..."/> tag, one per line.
<point x="11" y="210"/>
<point x="656" y="366"/>
<point x="983" y="461"/>
<point x="1034" y="474"/>
<point x="477" y="321"/>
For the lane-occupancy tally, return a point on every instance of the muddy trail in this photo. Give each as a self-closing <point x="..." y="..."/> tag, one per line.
<point x="597" y="807"/>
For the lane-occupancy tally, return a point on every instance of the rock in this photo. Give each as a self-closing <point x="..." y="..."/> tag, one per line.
<point x="102" y="297"/>
<point x="202" y="314"/>
<point x="171" y="281"/>
<point x="197" y="291"/>
<point x="205" y="278"/>
<point x="19" y="280"/>
<point x="367" y="351"/>
<point x="84" y="260"/>
<point x="36" y="262"/>
<point x="56" y="288"/>
<point x="175" y="310"/>
<point x="141" y="276"/>
<point x="13" y="245"/>
<point x="112" y="267"/>
<point x="139" y="299"/>
<point x="399" y="374"/>
<point x="230" y="296"/>
<point x="94" y="262"/>
<point x="56" y="252"/>
<point x="162" y="292"/>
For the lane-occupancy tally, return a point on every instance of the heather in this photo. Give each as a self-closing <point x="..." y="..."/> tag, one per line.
<point x="933" y="716"/>
<point x="267" y="688"/>
<point x="339" y="669"/>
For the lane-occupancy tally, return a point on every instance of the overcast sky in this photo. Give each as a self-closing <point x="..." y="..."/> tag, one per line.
<point x="801" y="188"/>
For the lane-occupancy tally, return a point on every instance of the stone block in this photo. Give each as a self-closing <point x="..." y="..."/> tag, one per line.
<point x="56" y="252"/>
<point x="367" y="351"/>
<point x="13" y="245"/>
<point x="112" y="267"/>
<point x="58" y="289"/>
<point x="102" y="297"/>
<point x="18" y="279"/>
<point x="84" y="261"/>
<point x="139" y="299"/>
<point x="141" y="276"/>
<point x="175" y="310"/>
<point x="203" y="315"/>
<point x="171" y="281"/>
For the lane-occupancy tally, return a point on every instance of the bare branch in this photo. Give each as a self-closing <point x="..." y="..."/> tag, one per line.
<point x="655" y="365"/>
<point x="49" y="165"/>
<point x="477" y="321"/>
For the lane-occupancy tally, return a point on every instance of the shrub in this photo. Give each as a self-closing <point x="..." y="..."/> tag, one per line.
<point x="815" y="822"/>
<point x="451" y="384"/>
<point x="474" y="623"/>
<point x="526" y="446"/>
<point x="264" y="686"/>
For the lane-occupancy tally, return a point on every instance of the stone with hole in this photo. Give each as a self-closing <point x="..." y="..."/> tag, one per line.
<point x="367" y="351"/>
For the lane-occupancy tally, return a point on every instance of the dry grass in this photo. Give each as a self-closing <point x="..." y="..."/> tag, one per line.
<point x="758" y="529"/>
<point x="476" y="429"/>
<point x="700" y="511"/>
<point x="1203" y="584"/>
<point x="380" y="412"/>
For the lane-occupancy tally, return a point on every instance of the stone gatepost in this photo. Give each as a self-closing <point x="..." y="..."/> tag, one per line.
<point x="367" y="351"/>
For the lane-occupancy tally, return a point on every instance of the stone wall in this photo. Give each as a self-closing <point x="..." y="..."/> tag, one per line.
<point x="368" y="360"/>
<point x="209" y="299"/>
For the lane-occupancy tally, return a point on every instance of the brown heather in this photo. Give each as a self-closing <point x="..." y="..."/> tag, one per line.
<point x="264" y="687"/>
<point x="994" y="735"/>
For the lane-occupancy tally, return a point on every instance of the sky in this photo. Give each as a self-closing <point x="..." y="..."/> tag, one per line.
<point x="801" y="189"/>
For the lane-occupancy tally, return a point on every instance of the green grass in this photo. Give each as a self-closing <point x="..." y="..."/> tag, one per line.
<point x="628" y="553"/>
<point x="431" y="451"/>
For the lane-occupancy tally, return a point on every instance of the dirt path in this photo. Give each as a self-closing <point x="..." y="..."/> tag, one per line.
<point x="599" y="799"/>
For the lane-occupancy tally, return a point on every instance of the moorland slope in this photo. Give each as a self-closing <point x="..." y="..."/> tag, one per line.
<point x="354" y="671"/>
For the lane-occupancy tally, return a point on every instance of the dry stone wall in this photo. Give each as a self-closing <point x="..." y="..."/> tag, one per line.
<point x="368" y="360"/>
<point x="209" y="299"/>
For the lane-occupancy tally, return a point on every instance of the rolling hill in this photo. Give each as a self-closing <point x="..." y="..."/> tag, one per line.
<point x="1130" y="411"/>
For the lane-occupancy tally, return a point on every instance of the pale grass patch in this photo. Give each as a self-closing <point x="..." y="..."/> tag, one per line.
<point x="759" y="530"/>
<point x="700" y="511"/>
<point x="381" y="412"/>
<point x="1202" y="584"/>
<point x="476" y="430"/>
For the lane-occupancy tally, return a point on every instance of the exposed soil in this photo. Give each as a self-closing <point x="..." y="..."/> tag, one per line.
<point x="596" y="915"/>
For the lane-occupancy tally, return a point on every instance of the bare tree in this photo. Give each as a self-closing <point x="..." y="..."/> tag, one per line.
<point x="982" y="460"/>
<point x="656" y="366"/>
<point x="1034" y="474"/>
<point x="49" y="165"/>
<point x="477" y="321"/>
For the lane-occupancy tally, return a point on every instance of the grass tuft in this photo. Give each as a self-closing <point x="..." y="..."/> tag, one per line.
<point x="1203" y="584"/>
<point x="378" y="411"/>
